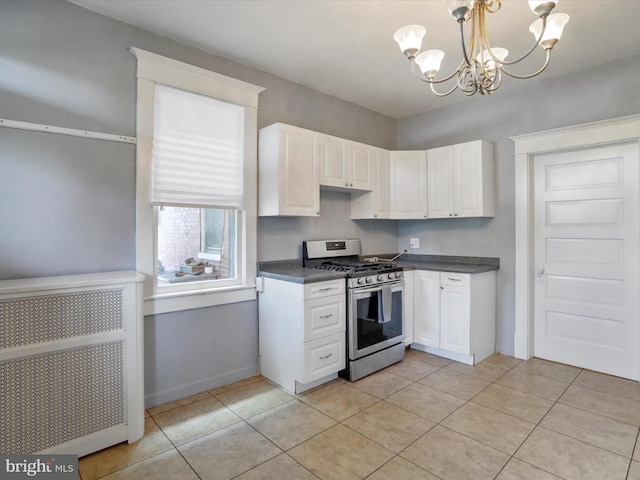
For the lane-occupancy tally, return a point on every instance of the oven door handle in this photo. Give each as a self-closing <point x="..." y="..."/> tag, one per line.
<point x="377" y="288"/>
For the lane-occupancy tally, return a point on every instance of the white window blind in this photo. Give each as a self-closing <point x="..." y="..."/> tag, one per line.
<point x="198" y="150"/>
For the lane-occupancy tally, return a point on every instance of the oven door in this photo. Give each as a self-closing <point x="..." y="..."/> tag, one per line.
<point x="375" y="318"/>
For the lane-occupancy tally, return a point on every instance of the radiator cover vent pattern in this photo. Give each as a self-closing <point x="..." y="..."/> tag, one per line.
<point x="52" y="398"/>
<point x="24" y="321"/>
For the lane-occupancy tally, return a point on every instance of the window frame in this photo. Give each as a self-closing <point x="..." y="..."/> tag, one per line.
<point x="153" y="69"/>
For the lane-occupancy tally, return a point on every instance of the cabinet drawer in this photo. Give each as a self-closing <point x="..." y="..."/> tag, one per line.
<point x="323" y="357"/>
<point x="324" y="316"/>
<point x="324" y="289"/>
<point x="457" y="279"/>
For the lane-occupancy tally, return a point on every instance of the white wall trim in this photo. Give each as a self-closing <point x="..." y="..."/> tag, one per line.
<point x="171" y="72"/>
<point x="152" y="69"/>
<point x="611" y="131"/>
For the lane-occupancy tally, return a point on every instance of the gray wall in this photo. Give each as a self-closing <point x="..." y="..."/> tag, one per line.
<point x="607" y="92"/>
<point x="68" y="203"/>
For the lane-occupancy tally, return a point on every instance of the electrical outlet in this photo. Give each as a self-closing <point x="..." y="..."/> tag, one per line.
<point x="414" y="243"/>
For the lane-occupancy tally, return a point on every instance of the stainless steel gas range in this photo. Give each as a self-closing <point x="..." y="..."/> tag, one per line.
<point x="375" y="336"/>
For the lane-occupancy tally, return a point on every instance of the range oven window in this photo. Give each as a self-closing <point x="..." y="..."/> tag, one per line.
<point x="372" y="325"/>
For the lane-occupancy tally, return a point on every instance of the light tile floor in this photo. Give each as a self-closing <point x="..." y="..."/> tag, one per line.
<point x="423" y="418"/>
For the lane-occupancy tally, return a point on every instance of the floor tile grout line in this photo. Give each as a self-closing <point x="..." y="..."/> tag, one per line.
<point x="173" y="447"/>
<point x="511" y="456"/>
<point x="439" y="368"/>
<point x="188" y="463"/>
<point x="539" y="425"/>
<point x="636" y="448"/>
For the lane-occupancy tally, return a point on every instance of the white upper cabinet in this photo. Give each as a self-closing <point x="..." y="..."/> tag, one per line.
<point x="408" y="188"/>
<point x="333" y="161"/>
<point x="460" y="179"/>
<point x="361" y="166"/>
<point x="344" y="165"/>
<point x="287" y="171"/>
<point x="374" y="204"/>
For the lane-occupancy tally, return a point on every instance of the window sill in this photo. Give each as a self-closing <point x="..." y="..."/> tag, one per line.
<point x="174" y="302"/>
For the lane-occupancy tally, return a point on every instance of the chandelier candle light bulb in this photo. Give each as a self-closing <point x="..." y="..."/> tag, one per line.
<point x="552" y="32"/>
<point x="482" y="66"/>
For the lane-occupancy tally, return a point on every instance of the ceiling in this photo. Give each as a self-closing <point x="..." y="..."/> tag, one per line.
<point x="345" y="48"/>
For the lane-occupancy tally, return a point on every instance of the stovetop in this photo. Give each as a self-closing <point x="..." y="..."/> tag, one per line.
<point x="357" y="268"/>
<point x="343" y="256"/>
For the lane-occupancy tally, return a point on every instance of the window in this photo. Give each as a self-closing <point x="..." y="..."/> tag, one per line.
<point x="195" y="185"/>
<point x="196" y="244"/>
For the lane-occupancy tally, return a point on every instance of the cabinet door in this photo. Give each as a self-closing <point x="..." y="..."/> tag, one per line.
<point x="455" y="319"/>
<point x="324" y="316"/>
<point x="332" y="161"/>
<point x="468" y="191"/>
<point x="440" y="182"/>
<point x="299" y="192"/>
<point x="381" y="190"/>
<point x="374" y="204"/>
<point x="426" y="308"/>
<point x="408" y="188"/>
<point x="323" y="356"/>
<point x="360" y="167"/>
<point x="407" y="305"/>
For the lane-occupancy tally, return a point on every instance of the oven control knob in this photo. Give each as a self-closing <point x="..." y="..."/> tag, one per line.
<point x="369" y="279"/>
<point x="390" y="276"/>
<point x="398" y="275"/>
<point x="360" y="281"/>
<point x="380" y="278"/>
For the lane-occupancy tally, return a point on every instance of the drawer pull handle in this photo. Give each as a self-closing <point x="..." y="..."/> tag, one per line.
<point x="454" y="279"/>
<point x="326" y="316"/>
<point x="326" y="289"/>
<point x="326" y="356"/>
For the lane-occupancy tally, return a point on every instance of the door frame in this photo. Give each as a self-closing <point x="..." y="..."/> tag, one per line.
<point x="606" y="132"/>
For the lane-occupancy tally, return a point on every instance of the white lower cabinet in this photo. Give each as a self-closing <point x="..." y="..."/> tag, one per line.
<point x="302" y="332"/>
<point x="454" y="314"/>
<point x="426" y="308"/>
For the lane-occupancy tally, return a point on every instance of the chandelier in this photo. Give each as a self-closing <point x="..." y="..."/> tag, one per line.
<point x="482" y="66"/>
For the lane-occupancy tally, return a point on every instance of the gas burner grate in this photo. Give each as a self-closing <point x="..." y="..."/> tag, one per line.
<point x="354" y="268"/>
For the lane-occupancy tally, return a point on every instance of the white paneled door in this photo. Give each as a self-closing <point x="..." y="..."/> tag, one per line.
<point x="586" y="254"/>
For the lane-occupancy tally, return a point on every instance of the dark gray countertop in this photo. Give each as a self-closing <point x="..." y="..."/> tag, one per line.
<point x="447" y="263"/>
<point x="293" y="271"/>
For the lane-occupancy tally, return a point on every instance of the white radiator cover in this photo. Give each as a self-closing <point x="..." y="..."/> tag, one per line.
<point x="71" y="363"/>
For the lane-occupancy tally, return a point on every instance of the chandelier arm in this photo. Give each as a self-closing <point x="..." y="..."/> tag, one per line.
<point x="455" y="87"/>
<point x="468" y="79"/>
<point x="495" y="84"/>
<point x="533" y="47"/>
<point x="464" y="47"/>
<point x="415" y="70"/>
<point x="492" y="6"/>
<point x="540" y="70"/>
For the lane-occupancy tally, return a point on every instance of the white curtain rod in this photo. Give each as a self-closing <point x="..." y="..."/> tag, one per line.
<point x="65" y="131"/>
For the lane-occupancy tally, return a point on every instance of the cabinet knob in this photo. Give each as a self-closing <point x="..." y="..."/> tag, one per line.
<point x="441" y="287"/>
<point x="351" y="184"/>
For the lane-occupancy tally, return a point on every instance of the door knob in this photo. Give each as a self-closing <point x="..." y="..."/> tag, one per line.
<point x="540" y="272"/>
